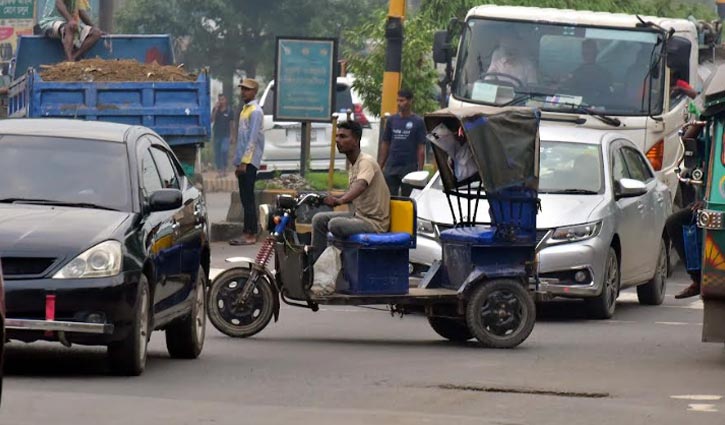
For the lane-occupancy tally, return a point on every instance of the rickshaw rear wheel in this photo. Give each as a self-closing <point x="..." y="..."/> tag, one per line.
<point x="501" y="313"/>
<point x="233" y="319"/>
<point x="455" y="330"/>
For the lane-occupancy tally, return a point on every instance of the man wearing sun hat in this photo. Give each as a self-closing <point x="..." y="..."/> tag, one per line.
<point x="248" y="157"/>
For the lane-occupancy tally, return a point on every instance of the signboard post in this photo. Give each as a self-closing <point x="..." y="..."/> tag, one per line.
<point x="304" y="85"/>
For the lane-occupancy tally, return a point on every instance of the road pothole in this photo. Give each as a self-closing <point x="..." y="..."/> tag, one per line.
<point x="527" y="391"/>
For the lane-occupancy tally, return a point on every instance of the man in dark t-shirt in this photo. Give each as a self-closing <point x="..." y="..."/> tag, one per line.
<point x="403" y="147"/>
<point x="221" y="119"/>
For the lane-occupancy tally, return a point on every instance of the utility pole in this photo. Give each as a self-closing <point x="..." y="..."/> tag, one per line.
<point x="393" y="59"/>
<point x="105" y="15"/>
<point x="393" y="55"/>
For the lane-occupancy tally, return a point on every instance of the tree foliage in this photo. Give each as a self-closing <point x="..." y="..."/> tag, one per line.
<point x="232" y="35"/>
<point x="366" y="50"/>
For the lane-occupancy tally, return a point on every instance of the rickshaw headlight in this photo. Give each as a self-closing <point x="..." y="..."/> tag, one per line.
<point x="712" y="220"/>
<point x="425" y="227"/>
<point x="575" y="233"/>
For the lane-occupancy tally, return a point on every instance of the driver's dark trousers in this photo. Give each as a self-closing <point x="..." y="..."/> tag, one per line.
<point x="674" y="225"/>
<point x="340" y="224"/>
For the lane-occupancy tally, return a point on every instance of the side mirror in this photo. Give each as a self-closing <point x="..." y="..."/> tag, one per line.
<point x="165" y="200"/>
<point x="441" y="47"/>
<point x="417" y="179"/>
<point x="629" y="188"/>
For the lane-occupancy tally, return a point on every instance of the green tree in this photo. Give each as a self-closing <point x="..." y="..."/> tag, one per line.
<point x="366" y="50"/>
<point x="232" y="35"/>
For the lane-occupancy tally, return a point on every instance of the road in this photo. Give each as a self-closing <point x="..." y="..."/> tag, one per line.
<point x="360" y="366"/>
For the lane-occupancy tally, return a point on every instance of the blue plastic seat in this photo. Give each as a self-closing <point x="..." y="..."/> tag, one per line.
<point x="382" y="240"/>
<point x="477" y="235"/>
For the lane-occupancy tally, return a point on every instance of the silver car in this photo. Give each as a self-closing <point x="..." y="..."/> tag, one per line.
<point x="602" y="222"/>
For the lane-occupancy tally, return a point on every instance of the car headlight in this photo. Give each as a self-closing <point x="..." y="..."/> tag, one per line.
<point x="103" y="260"/>
<point x="575" y="233"/>
<point x="425" y="227"/>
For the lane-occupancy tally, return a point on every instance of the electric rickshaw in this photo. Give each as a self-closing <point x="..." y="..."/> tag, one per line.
<point x="482" y="287"/>
<point x="704" y="165"/>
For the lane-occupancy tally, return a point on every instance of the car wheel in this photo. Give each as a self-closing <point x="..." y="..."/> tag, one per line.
<point x="128" y="357"/>
<point x="500" y="313"/>
<point x="603" y="306"/>
<point x="454" y="330"/>
<point x="653" y="292"/>
<point x="185" y="337"/>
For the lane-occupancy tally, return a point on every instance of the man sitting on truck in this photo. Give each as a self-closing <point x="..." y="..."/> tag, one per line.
<point x="68" y="20"/>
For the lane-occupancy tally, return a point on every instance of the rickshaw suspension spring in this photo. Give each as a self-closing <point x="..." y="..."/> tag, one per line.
<point x="265" y="252"/>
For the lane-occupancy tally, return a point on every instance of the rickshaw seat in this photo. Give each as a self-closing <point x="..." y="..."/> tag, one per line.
<point x="403" y="224"/>
<point x="477" y="235"/>
<point x="377" y="263"/>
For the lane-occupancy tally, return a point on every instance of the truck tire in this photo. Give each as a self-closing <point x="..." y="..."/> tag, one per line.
<point x="128" y="357"/>
<point x="185" y="337"/>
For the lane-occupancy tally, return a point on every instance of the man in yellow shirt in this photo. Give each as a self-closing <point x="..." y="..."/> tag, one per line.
<point x="68" y="20"/>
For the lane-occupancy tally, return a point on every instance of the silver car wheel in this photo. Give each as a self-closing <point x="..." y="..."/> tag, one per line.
<point x="612" y="278"/>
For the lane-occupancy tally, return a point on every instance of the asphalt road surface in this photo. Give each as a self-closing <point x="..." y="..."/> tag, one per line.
<point x="346" y="365"/>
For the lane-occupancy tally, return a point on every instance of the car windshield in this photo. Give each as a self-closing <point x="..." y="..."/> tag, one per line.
<point x="560" y="68"/>
<point x="565" y="168"/>
<point x="64" y="170"/>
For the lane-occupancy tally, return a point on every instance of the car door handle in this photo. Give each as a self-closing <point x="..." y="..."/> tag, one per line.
<point x="640" y="207"/>
<point x="175" y="226"/>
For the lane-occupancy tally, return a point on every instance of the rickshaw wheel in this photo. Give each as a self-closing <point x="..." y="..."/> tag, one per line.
<point x="500" y="313"/>
<point x="233" y="319"/>
<point x="455" y="330"/>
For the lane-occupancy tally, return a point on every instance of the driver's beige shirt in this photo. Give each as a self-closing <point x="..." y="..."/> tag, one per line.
<point x="373" y="205"/>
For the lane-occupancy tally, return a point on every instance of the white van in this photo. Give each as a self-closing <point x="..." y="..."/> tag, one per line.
<point x="283" y="139"/>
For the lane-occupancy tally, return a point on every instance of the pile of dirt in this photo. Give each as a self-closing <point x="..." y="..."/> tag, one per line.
<point x="288" y="181"/>
<point x="113" y="70"/>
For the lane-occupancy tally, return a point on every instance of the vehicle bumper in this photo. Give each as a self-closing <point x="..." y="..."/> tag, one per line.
<point x="558" y="265"/>
<point x="83" y="311"/>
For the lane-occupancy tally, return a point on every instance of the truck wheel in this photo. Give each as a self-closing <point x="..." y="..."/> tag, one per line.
<point x="653" y="292"/>
<point x="501" y="313"/>
<point x="454" y="330"/>
<point x="603" y="306"/>
<point x="185" y="337"/>
<point x="128" y="357"/>
<point x="228" y="315"/>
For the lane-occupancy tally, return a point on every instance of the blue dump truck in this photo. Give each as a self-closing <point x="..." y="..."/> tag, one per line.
<point x="179" y="111"/>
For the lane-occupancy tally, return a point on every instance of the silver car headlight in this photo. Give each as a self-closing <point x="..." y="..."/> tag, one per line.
<point x="576" y="233"/>
<point x="102" y="260"/>
<point x="426" y="228"/>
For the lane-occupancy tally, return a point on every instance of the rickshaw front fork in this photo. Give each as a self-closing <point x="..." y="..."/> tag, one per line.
<point x="263" y="256"/>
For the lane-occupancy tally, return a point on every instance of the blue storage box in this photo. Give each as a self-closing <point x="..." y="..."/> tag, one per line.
<point x="693" y="241"/>
<point x="374" y="267"/>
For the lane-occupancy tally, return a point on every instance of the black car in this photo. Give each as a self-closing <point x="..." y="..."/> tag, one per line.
<point x="103" y="239"/>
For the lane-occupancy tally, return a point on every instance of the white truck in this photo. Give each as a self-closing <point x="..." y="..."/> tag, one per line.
<point x="590" y="69"/>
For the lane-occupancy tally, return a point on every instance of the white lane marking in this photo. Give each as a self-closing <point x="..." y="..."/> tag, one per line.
<point x="677" y="323"/>
<point x="697" y="397"/>
<point x="710" y="408"/>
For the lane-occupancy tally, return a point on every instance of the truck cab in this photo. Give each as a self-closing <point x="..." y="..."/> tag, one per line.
<point x="590" y="69"/>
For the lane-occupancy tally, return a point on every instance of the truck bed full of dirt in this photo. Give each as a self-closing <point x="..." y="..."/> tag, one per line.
<point x="113" y="70"/>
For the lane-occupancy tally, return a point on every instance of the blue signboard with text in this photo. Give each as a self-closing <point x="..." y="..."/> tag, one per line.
<point x="305" y="79"/>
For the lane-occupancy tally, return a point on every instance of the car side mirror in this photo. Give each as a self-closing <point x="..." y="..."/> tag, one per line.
<point x="441" y="47"/>
<point x="417" y="179"/>
<point x="629" y="188"/>
<point x="165" y="200"/>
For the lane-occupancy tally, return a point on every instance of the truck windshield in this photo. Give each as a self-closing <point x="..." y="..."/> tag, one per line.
<point x="558" y="68"/>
